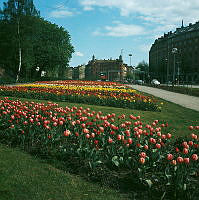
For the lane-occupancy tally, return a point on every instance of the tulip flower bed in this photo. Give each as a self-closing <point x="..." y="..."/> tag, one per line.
<point x="89" y="92"/>
<point x="145" y="152"/>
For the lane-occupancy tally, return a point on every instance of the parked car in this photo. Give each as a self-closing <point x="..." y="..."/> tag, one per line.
<point x="139" y="82"/>
<point x="155" y="82"/>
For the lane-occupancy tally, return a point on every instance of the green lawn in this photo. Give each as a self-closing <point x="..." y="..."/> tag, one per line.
<point x="23" y="177"/>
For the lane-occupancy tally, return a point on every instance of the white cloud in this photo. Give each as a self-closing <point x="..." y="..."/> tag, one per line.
<point x="79" y="54"/>
<point x="61" y="11"/>
<point x="97" y="33"/>
<point x="121" y="30"/>
<point x="164" y="12"/>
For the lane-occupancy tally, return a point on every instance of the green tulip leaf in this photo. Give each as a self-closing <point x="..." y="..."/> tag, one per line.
<point x="115" y="160"/>
<point x="149" y="182"/>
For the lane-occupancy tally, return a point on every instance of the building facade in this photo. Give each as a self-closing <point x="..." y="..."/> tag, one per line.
<point x="175" y="56"/>
<point x="79" y="72"/>
<point x="113" y="70"/>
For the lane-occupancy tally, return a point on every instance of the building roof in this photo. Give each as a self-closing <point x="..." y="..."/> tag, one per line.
<point x="183" y="29"/>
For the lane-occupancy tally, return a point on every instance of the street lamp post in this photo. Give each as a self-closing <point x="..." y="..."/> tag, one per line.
<point x="167" y="78"/>
<point x="130" y="55"/>
<point x="174" y="51"/>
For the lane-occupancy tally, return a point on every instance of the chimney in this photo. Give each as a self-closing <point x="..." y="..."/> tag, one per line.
<point x="182" y="24"/>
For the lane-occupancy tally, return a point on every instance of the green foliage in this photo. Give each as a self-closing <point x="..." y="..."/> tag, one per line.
<point x="143" y="66"/>
<point x="43" y="44"/>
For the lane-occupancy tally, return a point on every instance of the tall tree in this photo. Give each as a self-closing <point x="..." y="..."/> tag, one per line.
<point x="28" y="41"/>
<point x="13" y="13"/>
<point x="144" y="68"/>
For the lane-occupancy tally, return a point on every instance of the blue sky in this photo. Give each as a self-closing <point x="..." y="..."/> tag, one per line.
<point x="105" y="27"/>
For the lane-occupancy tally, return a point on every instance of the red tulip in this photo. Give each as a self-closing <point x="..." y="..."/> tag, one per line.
<point x="186" y="160"/>
<point x="158" y="146"/>
<point x="110" y="140"/>
<point x="194" y="157"/>
<point x="85" y="130"/>
<point x="101" y="129"/>
<point x="49" y="136"/>
<point x="67" y="133"/>
<point x="143" y="154"/>
<point x="77" y="134"/>
<point x="177" y="150"/>
<point x="130" y="141"/>
<point x="190" y="143"/>
<point x="158" y="133"/>
<point x="55" y="124"/>
<point x="185" y="151"/>
<point x="112" y="132"/>
<point x="191" y="127"/>
<point x="127" y="132"/>
<point x="169" y="135"/>
<point x="169" y="156"/>
<point x="180" y="159"/>
<point x="146" y="147"/>
<point x="96" y="142"/>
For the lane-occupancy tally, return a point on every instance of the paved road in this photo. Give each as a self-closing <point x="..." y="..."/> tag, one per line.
<point x="181" y="99"/>
<point x="187" y="86"/>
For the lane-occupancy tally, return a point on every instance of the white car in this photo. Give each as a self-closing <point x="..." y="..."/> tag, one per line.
<point x="155" y="82"/>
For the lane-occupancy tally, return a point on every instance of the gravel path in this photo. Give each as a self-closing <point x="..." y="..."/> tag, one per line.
<point x="181" y="99"/>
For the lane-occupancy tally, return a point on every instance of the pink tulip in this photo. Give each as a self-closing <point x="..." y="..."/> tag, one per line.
<point x="87" y="136"/>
